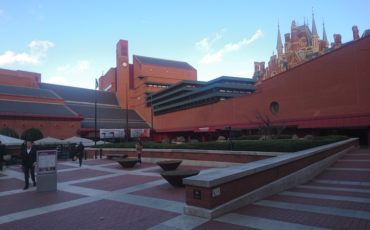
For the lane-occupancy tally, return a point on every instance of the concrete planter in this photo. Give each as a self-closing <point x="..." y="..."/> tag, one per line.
<point x="128" y="162"/>
<point x="116" y="156"/>
<point x="175" y="177"/>
<point x="169" y="165"/>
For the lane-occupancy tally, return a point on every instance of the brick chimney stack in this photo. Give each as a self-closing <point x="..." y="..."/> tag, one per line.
<point x="355" y="33"/>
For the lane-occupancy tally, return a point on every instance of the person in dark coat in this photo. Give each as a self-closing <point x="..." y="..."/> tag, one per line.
<point x="80" y="152"/>
<point x="139" y="149"/>
<point x="2" y="152"/>
<point x="28" y="163"/>
<point x="73" y="151"/>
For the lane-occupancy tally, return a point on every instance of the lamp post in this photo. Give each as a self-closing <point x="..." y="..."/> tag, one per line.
<point x="151" y="113"/>
<point x="127" y="113"/>
<point x="95" y="111"/>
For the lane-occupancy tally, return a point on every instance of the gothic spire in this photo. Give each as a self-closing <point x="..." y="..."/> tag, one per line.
<point x="314" y="30"/>
<point x="324" y="37"/>
<point x="279" y="43"/>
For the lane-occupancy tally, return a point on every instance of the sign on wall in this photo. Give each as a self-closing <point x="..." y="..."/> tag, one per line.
<point x="112" y="133"/>
<point x="139" y="133"/>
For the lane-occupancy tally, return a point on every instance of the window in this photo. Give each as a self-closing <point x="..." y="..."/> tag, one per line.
<point x="274" y="107"/>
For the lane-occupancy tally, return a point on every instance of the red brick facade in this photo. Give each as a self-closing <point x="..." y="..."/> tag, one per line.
<point x="55" y="126"/>
<point x="332" y="90"/>
<point x="19" y="78"/>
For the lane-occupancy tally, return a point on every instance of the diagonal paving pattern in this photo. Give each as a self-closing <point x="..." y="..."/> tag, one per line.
<point x="332" y="201"/>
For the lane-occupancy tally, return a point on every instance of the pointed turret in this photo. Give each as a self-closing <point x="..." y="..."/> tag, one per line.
<point x="315" y="36"/>
<point x="324" y="37"/>
<point x="314" y="30"/>
<point x="279" y="44"/>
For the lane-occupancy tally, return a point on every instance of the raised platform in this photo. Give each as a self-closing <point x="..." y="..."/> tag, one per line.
<point x="217" y="191"/>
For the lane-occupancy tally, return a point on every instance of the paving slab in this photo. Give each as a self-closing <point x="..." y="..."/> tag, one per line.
<point x="80" y="174"/>
<point x="117" y="182"/>
<point x="164" y="191"/>
<point x="11" y="184"/>
<point x="30" y="199"/>
<point x="103" y="214"/>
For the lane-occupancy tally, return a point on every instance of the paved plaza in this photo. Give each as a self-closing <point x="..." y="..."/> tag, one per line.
<point x="103" y="195"/>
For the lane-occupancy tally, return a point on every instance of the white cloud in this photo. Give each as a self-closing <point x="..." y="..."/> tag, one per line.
<point x="83" y="65"/>
<point x="209" y="58"/>
<point x="206" y="43"/>
<point x="37" y="51"/>
<point x="77" y="73"/>
<point x="79" y="66"/>
<point x="230" y="47"/>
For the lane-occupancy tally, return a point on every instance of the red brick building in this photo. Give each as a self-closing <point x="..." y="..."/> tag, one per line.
<point x="321" y="91"/>
<point x="58" y="111"/>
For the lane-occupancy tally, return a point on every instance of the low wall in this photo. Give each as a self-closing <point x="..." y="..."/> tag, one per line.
<point x="216" y="191"/>
<point x="215" y="158"/>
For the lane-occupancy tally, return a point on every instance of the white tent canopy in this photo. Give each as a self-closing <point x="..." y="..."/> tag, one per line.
<point x="77" y="140"/>
<point x="49" y="141"/>
<point x="5" y="140"/>
<point x="102" y="142"/>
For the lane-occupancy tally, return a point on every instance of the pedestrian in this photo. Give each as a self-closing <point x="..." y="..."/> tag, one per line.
<point x="2" y="152"/>
<point x="73" y="151"/>
<point x="80" y="152"/>
<point x="139" y="148"/>
<point x="28" y="163"/>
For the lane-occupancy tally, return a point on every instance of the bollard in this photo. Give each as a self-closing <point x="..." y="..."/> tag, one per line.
<point x="101" y="153"/>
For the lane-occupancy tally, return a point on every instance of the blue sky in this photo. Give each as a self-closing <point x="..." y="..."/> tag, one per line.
<point x="73" y="42"/>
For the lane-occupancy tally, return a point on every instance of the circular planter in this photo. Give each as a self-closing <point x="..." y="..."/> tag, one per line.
<point x="116" y="156"/>
<point x="127" y="162"/>
<point x="169" y="165"/>
<point x="175" y="177"/>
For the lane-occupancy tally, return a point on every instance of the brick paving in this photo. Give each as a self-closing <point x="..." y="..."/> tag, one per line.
<point x="10" y="184"/>
<point x="103" y="214"/>
<point x="30" y="200"/>
<point x="164" y="191"/>
<point x="117" y="182"/>
<point x="103" y="195"/>
<point x="82" y="174"/>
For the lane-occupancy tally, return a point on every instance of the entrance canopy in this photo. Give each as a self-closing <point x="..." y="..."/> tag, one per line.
<point x="49" y="141"/>
<point x="77" y="140"/>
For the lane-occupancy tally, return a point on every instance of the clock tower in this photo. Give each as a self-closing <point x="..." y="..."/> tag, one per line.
<point x="122" y="73"/>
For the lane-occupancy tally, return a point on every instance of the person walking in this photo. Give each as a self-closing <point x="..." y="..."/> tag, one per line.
<point x="139" y="149"/>
<point x="80" y="152"/>
<point x="2" y="152"/>
<point x="28" y="155"/>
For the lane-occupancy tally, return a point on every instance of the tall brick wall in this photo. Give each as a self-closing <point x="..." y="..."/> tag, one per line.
<point x="332" y="90"/>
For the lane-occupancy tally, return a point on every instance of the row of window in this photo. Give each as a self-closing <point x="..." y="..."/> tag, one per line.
<point x="233" y="91"/>
<point x="156" y="86"/>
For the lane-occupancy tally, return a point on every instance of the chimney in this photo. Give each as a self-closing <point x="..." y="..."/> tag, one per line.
<point x="337" y="41"/>
<point x="355" y="33"/>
